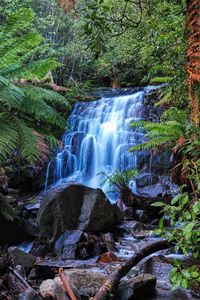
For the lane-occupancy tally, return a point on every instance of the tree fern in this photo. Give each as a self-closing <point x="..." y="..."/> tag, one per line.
<point x="48" y="95"/>
<point x="8" y="136"/>
<point x="10" y="95"/>
<point x="27" y="110"/>
<point x="165" y="132"/>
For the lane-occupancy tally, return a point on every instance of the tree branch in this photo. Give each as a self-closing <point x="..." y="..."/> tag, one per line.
<point x="112" y="282"/>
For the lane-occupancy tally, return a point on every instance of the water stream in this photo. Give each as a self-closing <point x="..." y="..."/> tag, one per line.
<point x="99" y="139"/>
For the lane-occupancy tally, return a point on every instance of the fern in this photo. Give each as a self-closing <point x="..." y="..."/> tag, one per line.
<point x="165" y="132"/>
<point x="166" y="96"/>
<point x="41" y="111"/>
<point x="45" y="94"/>
<point x="27" y="110"/>
<point x="161" y="79"/>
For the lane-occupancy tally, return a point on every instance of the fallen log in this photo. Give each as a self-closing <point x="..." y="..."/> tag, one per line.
<point x="112" y="282"/>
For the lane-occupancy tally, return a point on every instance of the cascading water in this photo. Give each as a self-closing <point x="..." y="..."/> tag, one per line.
<point x="99" y="139"/>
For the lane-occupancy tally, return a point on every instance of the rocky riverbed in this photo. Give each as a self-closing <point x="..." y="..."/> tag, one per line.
<point x="76" y="228"/>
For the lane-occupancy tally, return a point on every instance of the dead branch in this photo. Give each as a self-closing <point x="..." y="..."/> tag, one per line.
<point x="112" y="282"/>
<point x="21" y="279"/>
<point x="66" y="284"/>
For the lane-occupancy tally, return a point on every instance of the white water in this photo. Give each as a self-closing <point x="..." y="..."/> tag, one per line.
<point x="99" y="139"/>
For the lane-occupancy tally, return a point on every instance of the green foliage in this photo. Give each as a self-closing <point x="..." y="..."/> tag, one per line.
<point x="28" y="111"/>
<point x="172" y="127"/>
<point x="18" y="47"/>
<point x="151" y="51"/>
<point x="119" y="179"/>
<point x="184" y="212"/>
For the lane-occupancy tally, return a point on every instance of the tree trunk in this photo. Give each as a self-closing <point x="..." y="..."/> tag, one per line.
<point x="193" y="61"/>
<point x="110" y="285"/>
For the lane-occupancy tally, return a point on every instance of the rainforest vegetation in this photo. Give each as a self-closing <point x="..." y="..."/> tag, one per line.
<point x="56" y="53"/>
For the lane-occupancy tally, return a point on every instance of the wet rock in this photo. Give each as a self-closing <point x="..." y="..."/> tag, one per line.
<point x="40" y="248"/>
<point x="67" y="244"/>
<point x="29" y="294"/>
<point x="109" y="241"/>
<point x="53" y="288"/>
<point x="46" y="268"/>
<point x="128" y="214"/>
<point x="26" y="260"/>
<point x="31" y="227"/>
<point x="73" y="206"/>
<point x="91" y="245"/>
<point x="78" y="245"/>
<point x="87" y="282"/>
<point x="146" y="179"/>
<point x="134" y="229"/>
<point x="108" y="257"/>
<point x="128" y="286"/>
<point x="159" y="266"/>
<point x="147" y="216"/>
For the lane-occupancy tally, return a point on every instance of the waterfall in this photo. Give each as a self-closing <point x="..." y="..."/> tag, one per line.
<point x="99" y="138"/>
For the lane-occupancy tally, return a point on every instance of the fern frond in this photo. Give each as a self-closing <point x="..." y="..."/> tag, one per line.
<point x="154" y="143"/>
<point x="174" y="114"/>
<point x="38" y="69"/>
<point x="158" y="134"/>
<point x="28" y="142"/>
<point x="17" y="22"/>
<point x="41" y="111"/>
<point x="45" y="94"/>
<point x="11" y="96"/>
<point x="3" y="82"/>
<point x="8" y="137"/>
<point x="166" y="97"/>
<point x="166" y="79"/>
<point x="141" y="123"/>
<point x="51" y="140"/>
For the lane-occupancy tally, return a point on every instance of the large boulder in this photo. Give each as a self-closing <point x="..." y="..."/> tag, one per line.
<point x="73" y="206"/>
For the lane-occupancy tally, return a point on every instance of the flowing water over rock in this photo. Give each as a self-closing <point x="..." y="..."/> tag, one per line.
<point x="99" y="138"/>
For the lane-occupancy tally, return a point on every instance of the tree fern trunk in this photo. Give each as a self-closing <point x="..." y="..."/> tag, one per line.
<point x="193" y="56"/>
